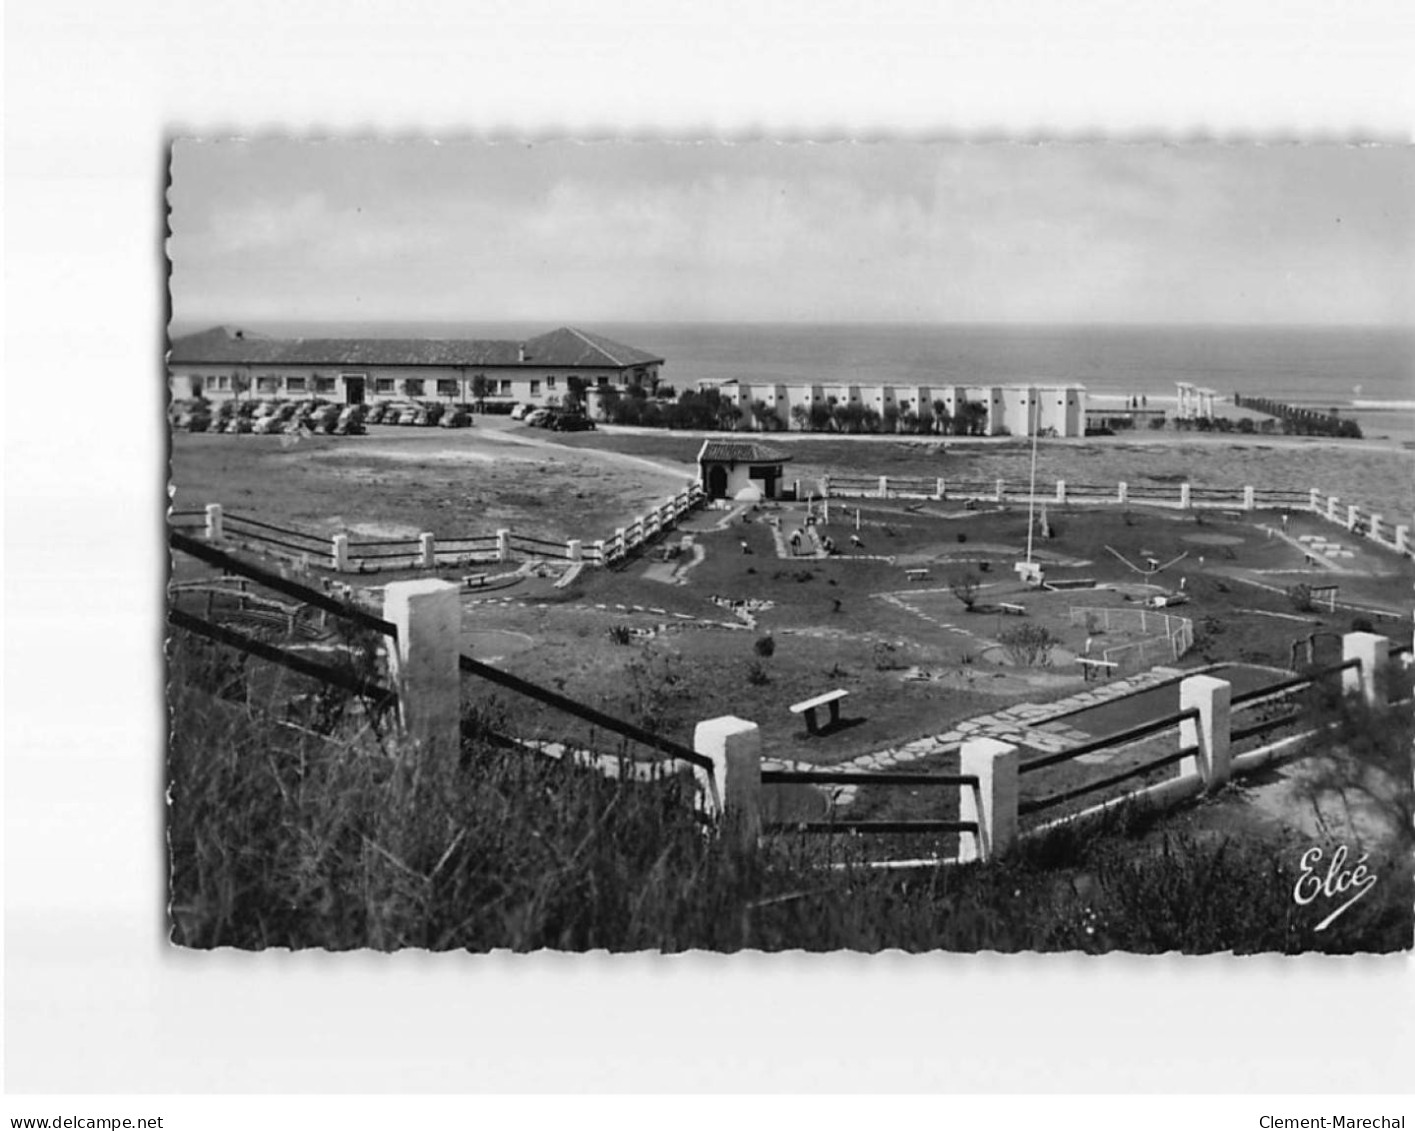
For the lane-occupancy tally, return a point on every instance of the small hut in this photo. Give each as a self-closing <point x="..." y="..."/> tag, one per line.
<point x="730" y="466"/>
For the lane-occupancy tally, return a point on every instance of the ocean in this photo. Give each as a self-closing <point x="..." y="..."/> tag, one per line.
<point x="1369" y="371"/>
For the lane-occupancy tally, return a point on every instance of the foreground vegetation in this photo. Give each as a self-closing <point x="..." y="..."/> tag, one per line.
<point x="281" y="838"/>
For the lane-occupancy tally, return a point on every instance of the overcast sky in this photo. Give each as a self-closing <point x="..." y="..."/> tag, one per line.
<point x="605" y="232"/>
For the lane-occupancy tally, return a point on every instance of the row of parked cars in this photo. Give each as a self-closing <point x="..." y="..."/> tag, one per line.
<point x="554" y="419"/>
<point x="265" y="418"/>
<point x="315" y="415"/>
<point x="421" y="414"/>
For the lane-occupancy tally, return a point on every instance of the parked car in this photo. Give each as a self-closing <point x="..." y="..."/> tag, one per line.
<point x="538" y="418"/>
<point x="572" y="422"/>
<point x="457" y="418"/>
<point x="519" y="411"/>
<point x="375" y="414"/>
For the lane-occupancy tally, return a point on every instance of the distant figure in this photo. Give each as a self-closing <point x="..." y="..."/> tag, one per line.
<point x="1183" y="583"/>
<point x="855" y="541"/>
<point x="828" y="545"/>
<point x="795" y="541"/>
<point x="746" y="549"/>
<point x="1088" y="646"/>
<point x="837" y="605"/>
<point x="1284" y="522"/>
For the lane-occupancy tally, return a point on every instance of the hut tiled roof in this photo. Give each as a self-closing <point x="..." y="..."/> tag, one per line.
<point x="565" y="348"/>
<point x="739" y="451"/>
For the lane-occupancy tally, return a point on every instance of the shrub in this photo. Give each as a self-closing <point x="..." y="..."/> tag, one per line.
<point x="620" y="633"/>
<point x="764" y="646"/>
<point x="1029" y="645"/>
<point x="965" y="587"/>
<point x="1300" y="597"/>
<point x="757" y="674"/>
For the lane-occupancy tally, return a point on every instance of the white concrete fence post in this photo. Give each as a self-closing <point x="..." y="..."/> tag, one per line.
<point x="599" y="551"/>
<point x="993" y="803"/>
<point x="1123" y="492"/>
<point x="1000" y="490"/>
<point x="503" y="545"/>
<point x="1402" y="539"/>
<point x="735" y="747"/>
<point x="427" y="549"/>
<point x="1250" y="499"/>
<point x="1213" y="699"/>
<point x="574" y="550"/>
<point x="1185" y="499"/>
<point x="825" y="486"/>
<point x="884" y="486"/>
<point x="796" y="489"/>
<point x="339" y="553"/>
<point x="1331" y="507"/>
<point x="1314" y="499"/>
<point x="939" y="490"/>
<point x="621" y="541"/>
<point x="1061" y="490"/>
<point x="1373" y="651"/>
<point x="1375" y="532"/>
<point x="1351" y="516"/>
<point x="214" y="530"/>
<point x="424" y="660"/>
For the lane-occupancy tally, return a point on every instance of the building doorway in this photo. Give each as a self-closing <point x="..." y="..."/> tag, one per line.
<point x="717" y="481"/>
<point x="353" y="390"/>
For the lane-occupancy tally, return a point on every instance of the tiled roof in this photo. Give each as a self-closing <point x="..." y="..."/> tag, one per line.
<point x="739" y="451"/>
<point x="560" y="349"/>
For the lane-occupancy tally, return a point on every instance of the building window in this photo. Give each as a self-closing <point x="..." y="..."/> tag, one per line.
<point x="267" y="384"/>
<point x="550" y="382"/>
<point x="535" y="388"/>
<point x="294" y="384"/>
<point x="446" y="388"/>
<point x="383" y="384"/>
<point x="223" y="384"/>
<point x="506" y="387"/>
<point x="324" y="384"/>
<point x="601" y="381"/>
<point x="413" y="386"/>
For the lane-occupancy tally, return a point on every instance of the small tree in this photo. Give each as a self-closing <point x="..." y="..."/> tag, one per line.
<point x="1300" y="596"/>
<point x="965" y="587"/>
<point x="1029" y="645"/>
<point x="481" y="388"/>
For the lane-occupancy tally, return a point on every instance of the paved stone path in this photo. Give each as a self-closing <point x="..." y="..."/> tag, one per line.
<point x="1033" y="726"/>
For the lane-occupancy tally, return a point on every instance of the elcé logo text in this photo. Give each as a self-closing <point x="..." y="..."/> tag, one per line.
<point x="1336" y="881"/>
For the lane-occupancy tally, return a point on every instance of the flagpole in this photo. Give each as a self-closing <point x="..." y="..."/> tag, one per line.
<point x="1032" y="494"/>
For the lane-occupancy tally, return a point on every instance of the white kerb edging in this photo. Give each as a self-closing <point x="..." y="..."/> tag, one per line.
<point x="992" y="803"/>
<point x="425" y="661"/>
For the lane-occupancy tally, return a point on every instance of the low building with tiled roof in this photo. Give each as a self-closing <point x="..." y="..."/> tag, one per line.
<point x="729" y="467"/>
<point x="225" y="361"/>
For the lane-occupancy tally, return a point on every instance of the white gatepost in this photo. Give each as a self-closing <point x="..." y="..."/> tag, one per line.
<point x="339" y="553"/>
<point x="884" y="486"/>
<point x="1373" y="651"/>
<point x="992" y="804"/>
<point x="1250" y="499"/>
<point x="503" y="545"/>
<point x="1314" y="499"/>
<point x="735" y="747"/>
<point x="427" y="548"/>
<point x="1123" y="492"/>
<point x="1001" y="487"/>
<point x="1402" y="539"/>
<point x="425" y="661"/>
<point x="1331" y="507"/>
<point x="1061" y="490"/>
<point x="214" y="530"/>
<point x="574" y="550"/>
<point x="1184" y="496"/>
<point x="1213" y="699"/>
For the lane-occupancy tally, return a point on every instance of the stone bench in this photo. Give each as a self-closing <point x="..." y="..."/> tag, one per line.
<point x="474" y="581"/>
<point x="1012" y="610"/>
<point x="808" y="708"/>
<point x="917" y="574"/>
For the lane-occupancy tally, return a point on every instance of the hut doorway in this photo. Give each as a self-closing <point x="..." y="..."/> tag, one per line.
<point x="717" y="481"/>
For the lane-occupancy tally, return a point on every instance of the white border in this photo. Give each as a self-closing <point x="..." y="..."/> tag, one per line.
<point x="94" y="1002"/>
